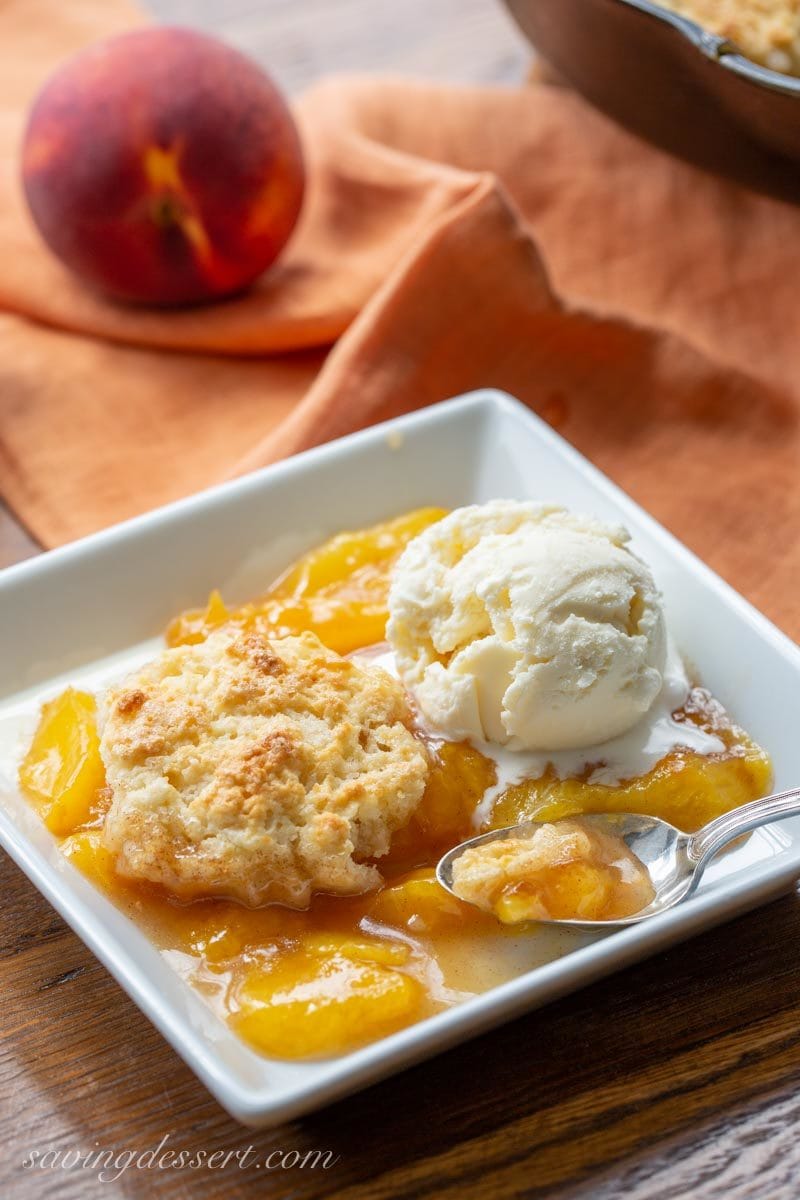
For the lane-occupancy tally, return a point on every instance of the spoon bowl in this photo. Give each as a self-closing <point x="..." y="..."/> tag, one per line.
<point x="675" y="861"/>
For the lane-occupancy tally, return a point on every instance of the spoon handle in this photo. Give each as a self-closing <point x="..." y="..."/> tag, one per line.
<point x="704" y="844"/>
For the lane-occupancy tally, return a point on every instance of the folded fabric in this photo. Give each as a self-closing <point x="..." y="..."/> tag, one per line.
<point x="451" y="238"/>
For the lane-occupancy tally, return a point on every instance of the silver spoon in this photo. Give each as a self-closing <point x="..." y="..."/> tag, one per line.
<point x="674" y="860"/>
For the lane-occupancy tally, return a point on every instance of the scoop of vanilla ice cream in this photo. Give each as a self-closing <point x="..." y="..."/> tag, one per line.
<point x="527" y="625"/>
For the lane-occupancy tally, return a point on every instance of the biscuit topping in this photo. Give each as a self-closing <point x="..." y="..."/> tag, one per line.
<point x="259" y="770"/>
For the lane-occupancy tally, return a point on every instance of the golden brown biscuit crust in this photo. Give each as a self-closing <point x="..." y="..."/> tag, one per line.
<point x="259" y="770"/>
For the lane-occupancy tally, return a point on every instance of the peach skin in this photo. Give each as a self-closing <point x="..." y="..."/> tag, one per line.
<point x="163" y="167"/>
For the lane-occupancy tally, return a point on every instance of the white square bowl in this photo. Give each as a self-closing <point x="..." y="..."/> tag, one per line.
<point x="95" y="598"/>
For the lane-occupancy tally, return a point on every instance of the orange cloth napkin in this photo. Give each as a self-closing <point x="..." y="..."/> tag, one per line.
<point x="452" y="237"/>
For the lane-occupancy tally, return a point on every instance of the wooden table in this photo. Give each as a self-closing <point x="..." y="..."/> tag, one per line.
<point x="673" y="1079"/>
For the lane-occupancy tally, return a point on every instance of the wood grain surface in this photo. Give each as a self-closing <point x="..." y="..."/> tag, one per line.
<point x="677" y="1078"/>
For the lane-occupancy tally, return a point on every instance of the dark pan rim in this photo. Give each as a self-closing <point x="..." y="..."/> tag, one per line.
<point x="719" y="49"/>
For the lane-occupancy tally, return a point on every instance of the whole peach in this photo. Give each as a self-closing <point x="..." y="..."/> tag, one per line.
<point x="163" y="167"/>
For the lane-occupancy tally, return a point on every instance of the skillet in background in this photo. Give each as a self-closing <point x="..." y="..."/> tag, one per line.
<point x="674" y="83"/>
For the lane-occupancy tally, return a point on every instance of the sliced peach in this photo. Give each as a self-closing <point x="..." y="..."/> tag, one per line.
<point x="86" y="851"/>
<point x="320" y="1004"/>
<point x="686" y="790"/>
<point x="339" y="591"/>
<point x="386" y="952"/>
<point x="195" y="624"/>
<point x="573" y="891"/>
<point x="458" y="780"/>
<point x="221" y="930"/>
<point x="418" y="902"/>
<point x="63" y="771"/>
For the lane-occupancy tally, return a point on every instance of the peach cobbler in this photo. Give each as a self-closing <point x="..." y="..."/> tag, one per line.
<point x="567" y="870"/>
<point x="767" y="31"/>
<point x="269" y="793"/>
